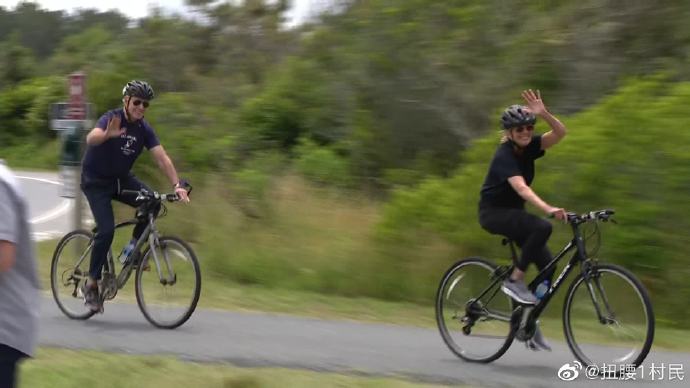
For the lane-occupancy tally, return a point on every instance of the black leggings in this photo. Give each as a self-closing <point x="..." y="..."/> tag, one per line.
<point x="527" y="230"/>
<point x="100" y="194"/>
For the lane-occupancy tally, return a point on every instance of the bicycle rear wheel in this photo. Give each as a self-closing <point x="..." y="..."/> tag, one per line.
<point x="623" y="333"/>
<point x="68" y="270"/>
<point x="167" y="296"/>
<point x="477" y="330"/>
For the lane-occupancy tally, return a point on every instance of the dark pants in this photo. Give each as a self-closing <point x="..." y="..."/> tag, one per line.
<point x="100" y="193"/>
<point x="9" y="357"/>
<point x="527" y="230"/>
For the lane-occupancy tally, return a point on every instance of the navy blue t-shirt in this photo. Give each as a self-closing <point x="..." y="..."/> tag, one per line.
<point x="115" y="157"/>
<point x="496" y="190"/>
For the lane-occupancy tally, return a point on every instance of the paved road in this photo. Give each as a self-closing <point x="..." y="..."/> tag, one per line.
<point x="286" y="341"/>
<point x="258" y="339"/>
<point x="50" y="214"/>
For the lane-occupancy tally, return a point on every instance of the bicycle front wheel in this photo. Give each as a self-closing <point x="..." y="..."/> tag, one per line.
<point x="608" y="318"/>
<point x="472" y="314"/>
<point x="168" y="283"/>
<point x="69" y="269"/>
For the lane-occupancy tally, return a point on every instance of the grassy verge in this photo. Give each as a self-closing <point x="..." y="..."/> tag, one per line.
<point x="57" y="368"/>
<point x="312" y="254"/>
<point x="220" y="294"/>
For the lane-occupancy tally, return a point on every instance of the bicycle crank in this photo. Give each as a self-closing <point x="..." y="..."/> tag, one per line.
<point x="523" y="326"/>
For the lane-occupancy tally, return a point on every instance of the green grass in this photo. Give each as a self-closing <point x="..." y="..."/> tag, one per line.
<point x="311" y="254"/>
<point x="219" y="294"/>
<point x="59" y="368"/>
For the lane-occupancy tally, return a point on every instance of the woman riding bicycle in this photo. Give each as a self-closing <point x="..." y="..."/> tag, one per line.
<point x="507" y="187"/>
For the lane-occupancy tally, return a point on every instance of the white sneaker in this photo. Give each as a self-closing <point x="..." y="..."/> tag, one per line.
<point x="518" y="291"/>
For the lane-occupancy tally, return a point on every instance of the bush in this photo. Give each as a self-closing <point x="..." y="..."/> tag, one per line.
<point x="322" y="165"/>
<point x="625" y="153"/>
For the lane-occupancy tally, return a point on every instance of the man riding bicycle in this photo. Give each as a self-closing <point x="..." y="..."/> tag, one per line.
<point x="507" y="187"/>
<point x="112" y="148"/>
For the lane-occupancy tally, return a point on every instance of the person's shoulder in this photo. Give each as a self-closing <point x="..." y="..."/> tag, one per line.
<point x="113" y="112"/>
<point x="145" y="124"/>
<point x="504" y="149"/>
<point x="534" y="147"/>
<point x="7" y="178"/>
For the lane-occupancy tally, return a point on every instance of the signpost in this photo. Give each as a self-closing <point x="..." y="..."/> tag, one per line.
<point x="72" y="119"/>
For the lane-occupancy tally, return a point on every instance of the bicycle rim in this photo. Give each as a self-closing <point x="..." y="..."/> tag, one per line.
<point x="168" y="305"/>
<point x="66" y="277"/>
<point x="626" y="335"/>
<point x="475" y="330"/>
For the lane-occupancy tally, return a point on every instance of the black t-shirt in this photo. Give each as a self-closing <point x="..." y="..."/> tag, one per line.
<point x="496" y="190"/>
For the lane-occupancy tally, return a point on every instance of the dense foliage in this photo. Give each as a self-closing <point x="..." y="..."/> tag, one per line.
<point x="396" y="101"/>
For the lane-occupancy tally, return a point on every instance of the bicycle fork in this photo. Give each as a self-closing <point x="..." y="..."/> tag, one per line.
<point x="170" y="277"/>
<point x="592" y="276"/>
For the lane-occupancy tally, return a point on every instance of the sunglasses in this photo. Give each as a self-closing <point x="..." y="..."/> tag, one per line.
<point x="524" y="128"/>
<point x="140" y="102"/>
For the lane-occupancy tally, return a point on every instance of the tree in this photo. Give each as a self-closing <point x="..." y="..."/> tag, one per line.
<point x="16" y="62"/>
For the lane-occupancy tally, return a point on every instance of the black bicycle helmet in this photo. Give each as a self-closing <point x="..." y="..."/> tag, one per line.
<point x="516" y="116"/>
<point x="139" y="89"/>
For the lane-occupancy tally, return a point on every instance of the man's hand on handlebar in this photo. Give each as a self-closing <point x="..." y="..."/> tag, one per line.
<point x="182" y="193"/>
<point x="182" y="189"/>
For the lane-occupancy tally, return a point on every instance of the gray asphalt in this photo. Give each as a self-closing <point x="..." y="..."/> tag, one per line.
<point x="49" y="213"/>
<point x="259" y="339"/>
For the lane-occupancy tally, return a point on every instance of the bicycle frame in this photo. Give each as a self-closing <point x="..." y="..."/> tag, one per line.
<point x="149" y="236"/>
<point x="579" y="256"/>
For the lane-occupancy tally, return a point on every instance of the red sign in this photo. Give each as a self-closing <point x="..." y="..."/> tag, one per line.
<point x="77" y="96"/>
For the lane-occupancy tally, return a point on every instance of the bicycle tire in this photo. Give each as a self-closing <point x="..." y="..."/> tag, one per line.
<point x="642" y="293"/>
<point x="57" y="270"/>
<point x="146" y="308"/>
<point x="443" y="294"/>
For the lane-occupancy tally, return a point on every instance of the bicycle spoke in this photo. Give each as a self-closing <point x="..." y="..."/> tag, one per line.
<point x="475" y="330"/>
<point x="69" y="269"/>
<point x="614" y="296"/>
<point x="168" y="295"/>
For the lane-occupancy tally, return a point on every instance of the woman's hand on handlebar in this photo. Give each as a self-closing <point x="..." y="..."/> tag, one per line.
<point x="558" y="213"/>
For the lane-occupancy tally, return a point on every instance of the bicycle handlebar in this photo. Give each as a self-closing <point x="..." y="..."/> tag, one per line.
<point x="144" y="194"/>
<point x="595" y="215"/>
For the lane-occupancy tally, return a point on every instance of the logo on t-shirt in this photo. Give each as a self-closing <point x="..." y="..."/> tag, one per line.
<point x="128" y="148"/>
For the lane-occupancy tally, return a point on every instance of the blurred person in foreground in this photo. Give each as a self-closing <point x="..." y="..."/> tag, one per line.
<point x="113" y="146"/>
<point x="19" y="283"/>
<point x="507" y="187"/>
